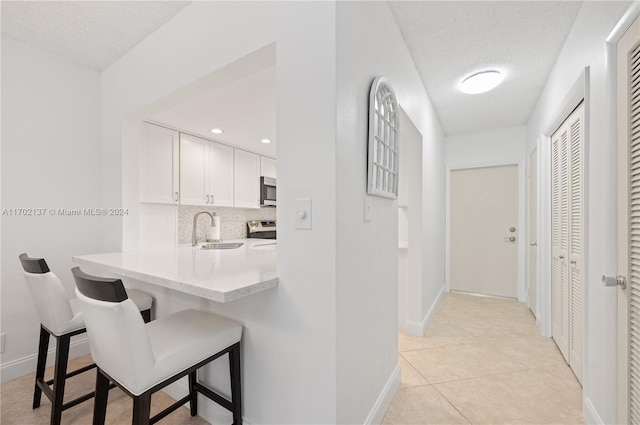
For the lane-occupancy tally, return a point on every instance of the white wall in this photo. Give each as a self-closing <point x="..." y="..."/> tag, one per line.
<point x="501" y="146"/>
<point x="51" y="159"/>
<point x="289" y="369"/>
<point x="585" y="46"/>
<point x="369" y="44"/>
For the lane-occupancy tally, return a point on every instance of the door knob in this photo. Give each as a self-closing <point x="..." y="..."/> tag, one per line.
<point x="619" y="280"/>
<point x="533" y="243"/>
<point x="510" y="239"/>
<point x="512" y="229"/>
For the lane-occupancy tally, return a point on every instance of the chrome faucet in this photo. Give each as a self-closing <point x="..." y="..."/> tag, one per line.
<point x="194" y="236"/>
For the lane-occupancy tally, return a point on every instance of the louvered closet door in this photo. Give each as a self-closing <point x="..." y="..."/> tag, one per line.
<point x="560" y="240"/>
<point x="628" y="95"/>
<point x="576" y="265"/>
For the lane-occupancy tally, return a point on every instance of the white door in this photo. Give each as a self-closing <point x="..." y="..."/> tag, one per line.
<point x="560" y="242"/>
<point x="220" y="175"/>
<point x="575" y="147"/>
<point x="628" y="127"/>
<point x="567" y="238"/>
<point x="246" y="179"/>
<point x="533" y="232"/>
<point x="158" y="164"/>
<point x="194" y="165"/>
<point x="483" y="233"/>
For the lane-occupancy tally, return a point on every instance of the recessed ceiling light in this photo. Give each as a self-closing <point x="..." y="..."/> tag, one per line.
<point x="265" y="141"/>
<point x="481" y="82"/>
<point x="217" y="131"/>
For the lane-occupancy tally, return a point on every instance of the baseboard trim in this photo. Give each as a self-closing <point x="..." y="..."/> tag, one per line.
<point x="384" y="399"/>
<point x="413" y="327"/>
<point x="590" y="413"/>
<point x="206" y="407"/>
<point x="26" y="365"/>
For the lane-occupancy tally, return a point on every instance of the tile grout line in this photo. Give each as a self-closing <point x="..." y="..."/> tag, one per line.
<point x="451" y="403"/>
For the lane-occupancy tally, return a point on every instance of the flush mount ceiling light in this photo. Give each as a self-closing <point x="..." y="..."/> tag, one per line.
<point x="217" y="131"/>
<point x="265" y="141"/>
<point x="481" y="82"/>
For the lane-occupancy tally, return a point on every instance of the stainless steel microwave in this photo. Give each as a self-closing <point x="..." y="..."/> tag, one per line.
<point x="267" y="192"/>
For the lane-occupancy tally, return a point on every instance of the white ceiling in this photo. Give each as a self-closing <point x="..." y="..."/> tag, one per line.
<point x="91" y="33"/>
<point x="448" y="40"/>
<point x="245" y="109"/>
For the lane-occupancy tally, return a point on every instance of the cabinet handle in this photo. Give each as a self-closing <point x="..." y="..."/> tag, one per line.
<point x="212" y="199"/>
<point x="176" y="198"/>
<point x="561" y="257"/>
<point x="572" y="261"/>
<point x="207" y="199"/>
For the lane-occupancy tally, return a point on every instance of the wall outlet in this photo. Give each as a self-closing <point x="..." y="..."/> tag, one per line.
<point x="1" y="343"/>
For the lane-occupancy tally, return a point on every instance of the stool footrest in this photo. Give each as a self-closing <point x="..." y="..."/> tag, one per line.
<point x="45" y="386"/>
<point x="214" y="396"/>
<point x="175" y="406"/>
<point x="75" y="372"/>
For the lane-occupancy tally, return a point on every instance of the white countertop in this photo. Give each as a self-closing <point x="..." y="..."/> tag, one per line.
<point x="220" y="275"/>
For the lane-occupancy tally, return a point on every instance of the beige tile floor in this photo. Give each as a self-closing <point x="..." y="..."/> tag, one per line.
<point x="16" y="397"/>
<point x="483" y="361"/>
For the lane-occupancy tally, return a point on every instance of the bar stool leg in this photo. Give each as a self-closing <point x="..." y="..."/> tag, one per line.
<point x="59" y="378"/>
<point x="236" y="384"/>
<point x="193" y="402"/>
<point x="43" y="347"/>
<point x="142" y="409"/>
<point x="102" y="395"/>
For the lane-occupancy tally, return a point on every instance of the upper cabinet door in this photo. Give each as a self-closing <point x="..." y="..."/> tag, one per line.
<point x="246" y="179"/>
<point x="220" y="175"/>
<point x="158" y="165"/>
<point x="194" y="164"/>
<point x="267" y="167"/>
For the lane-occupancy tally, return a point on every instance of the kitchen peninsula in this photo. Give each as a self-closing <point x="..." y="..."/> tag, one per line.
<point x="220" y="275"/>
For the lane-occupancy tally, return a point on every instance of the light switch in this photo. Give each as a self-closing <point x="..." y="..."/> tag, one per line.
<point x="303" y="213"/>
<point x="367" y="208"/>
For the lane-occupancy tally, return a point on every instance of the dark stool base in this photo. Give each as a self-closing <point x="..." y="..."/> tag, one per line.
<point x="142" y="402"/>
<point x="54" y="388"/>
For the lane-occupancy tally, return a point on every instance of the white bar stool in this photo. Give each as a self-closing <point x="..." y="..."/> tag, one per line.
<point x="61" y="318"/>
<point x="144" y="358"/>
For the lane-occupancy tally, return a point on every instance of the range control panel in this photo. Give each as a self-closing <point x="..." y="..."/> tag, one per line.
<point x="265" y="229"/>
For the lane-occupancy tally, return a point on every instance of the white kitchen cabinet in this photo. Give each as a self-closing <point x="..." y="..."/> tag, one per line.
<point x="206" y="172"/>
<point x="267" y="167"/>
<point x="159" y="170"/>
<point x="246" y="175"/>
<point x="220" y="175"/>
<point x="194" y="170"/>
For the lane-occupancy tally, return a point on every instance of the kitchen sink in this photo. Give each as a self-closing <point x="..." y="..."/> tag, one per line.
<point x="222" y="245"/>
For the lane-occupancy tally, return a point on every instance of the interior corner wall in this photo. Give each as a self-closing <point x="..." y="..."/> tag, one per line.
<point x="289" y="353"/>
<point x="51" y="159"/>
<point x="585" y="46"/>
<point x="369" y="44"/>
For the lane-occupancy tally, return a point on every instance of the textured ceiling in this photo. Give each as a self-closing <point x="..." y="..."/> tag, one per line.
<point x="245" y="109"/>
<point x="450" y="40"/>
<point x="90" y="33"/>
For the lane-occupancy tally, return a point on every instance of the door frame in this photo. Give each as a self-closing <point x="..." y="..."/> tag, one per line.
<point x="578" y="92"/>
<point x="527" y="245"/>
<point x="611" y="249"/>
<point x="522" y="196"/>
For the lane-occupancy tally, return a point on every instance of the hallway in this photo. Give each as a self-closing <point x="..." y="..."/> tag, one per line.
<point x="483" y="361"/>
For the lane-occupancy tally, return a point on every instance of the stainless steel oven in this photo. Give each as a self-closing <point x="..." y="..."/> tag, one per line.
<point x="267" y="192"/>
<point x="262" y="229"/>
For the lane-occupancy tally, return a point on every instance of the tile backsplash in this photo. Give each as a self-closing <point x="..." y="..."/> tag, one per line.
<point x="233" y="221"/>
